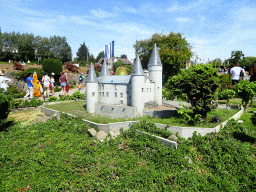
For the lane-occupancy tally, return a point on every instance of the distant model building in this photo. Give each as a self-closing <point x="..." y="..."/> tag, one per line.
<point x="131" y="90"/>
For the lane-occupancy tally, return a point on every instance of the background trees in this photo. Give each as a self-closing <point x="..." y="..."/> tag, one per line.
<point x="236" y="56"/>
<point x="174" y="52"/>
<point x="100" y="55"/>
<point x="124" y="56"/>
<point x="83" y="53"/>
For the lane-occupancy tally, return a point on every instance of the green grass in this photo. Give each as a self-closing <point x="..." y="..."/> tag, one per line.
<point x="62" y="156"/>
<point x="79" y="109"/>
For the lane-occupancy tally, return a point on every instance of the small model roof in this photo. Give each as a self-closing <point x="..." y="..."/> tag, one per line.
<point x="104" y="70"/>
<point x="137" y="68"/>
<point x="91" y="77"/>
<point x="154" y="58"/>
<point x="115" y="79"/>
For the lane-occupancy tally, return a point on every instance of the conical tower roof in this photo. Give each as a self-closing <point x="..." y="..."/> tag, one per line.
<point x="154" y="59"/>
<point x="91" y="77"/>
<point x="137" y="68"/>
<point x="104" y="70"/>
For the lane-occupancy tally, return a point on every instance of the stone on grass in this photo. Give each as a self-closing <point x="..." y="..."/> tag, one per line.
<point x="189" y="160"/>
<point x="240" y="121"/>
<point x="101" y="135"/>
<point x="114" y="135"/>
<point x="92" y="132"/>
<point x="172" y="138"/>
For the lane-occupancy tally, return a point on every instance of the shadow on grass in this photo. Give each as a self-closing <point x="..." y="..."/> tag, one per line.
<point x="5" y="125"/>
<point x="244" y="138"/>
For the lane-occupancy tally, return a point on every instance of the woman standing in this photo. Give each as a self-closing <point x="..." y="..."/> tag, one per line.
<point x="52" y="81"/>
<point x="63" y="82"/>
<point x="46" y="83"/>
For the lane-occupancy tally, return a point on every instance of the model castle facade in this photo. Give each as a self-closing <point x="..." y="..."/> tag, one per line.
<point x="130" y="90"/>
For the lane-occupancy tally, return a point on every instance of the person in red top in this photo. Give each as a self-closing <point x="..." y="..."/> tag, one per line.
<point x="63" y="82"/>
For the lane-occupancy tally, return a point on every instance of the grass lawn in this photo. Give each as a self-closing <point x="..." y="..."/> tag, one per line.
<point x="79" y="109"/>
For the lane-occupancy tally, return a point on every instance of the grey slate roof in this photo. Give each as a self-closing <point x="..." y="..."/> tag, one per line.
<point x="137" y="68"/>
<point x="154" y="58"/>
<point x="104" y="70"/>
<point x="91" y="77"/>
<point x="115" y="79"/>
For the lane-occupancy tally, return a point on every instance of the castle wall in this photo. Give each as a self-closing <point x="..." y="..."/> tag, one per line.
<point x="113" y="94"/>
<point x="155" y="73"/>
<point x="91" y="96"/>
<point x="137" y="93"/>
<point x="149" y="91"/>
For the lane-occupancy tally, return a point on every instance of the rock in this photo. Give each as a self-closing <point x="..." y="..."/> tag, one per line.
<point x="92" y="132"/>
<point x="216" y="119"/>
<point x="240" y="121"/>
<point x="173" y="138"/>
<point x="114" y="135"/>
<point x="189" y="160"/>
<point x="101" y="135"/>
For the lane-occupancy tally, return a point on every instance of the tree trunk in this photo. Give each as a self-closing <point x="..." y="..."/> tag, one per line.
<point x="246" y="106"/>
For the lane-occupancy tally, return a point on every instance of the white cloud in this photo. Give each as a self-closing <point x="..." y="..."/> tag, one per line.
<point x="101" y="14"/>
<point x="131" y="10"/>
<point x="182" y="19"/>
<point x="246" y="14"/>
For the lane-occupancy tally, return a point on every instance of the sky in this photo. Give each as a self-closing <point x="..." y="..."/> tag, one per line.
<point x="213" y="28"/>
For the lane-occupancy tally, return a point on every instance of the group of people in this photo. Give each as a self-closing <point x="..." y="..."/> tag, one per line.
<point x="35" y="88"/>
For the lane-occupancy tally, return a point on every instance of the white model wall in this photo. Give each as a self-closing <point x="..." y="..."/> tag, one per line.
<point x="149" y="91"/>
<point x="155" y="73"/>
<point x="137" y="93"/>
<point x="91" y="96"/>
<point x="112" y="94"/>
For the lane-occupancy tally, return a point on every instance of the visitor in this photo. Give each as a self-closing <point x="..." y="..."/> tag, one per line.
<point x="4" y="85"/>
<point x="63" y="83"/>
<point x="81" y="78"/>
<point x="52" y="81"/>
<point x="37" y="87"/>
<point x="2" y="78"/>
<point x="46" y="84"/>
<point x="30" y="85"/>
<point x="235" y="72"/>
<point x="253" y="72"/>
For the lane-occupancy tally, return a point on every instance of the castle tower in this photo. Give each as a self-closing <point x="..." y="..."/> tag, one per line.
<point x="137" y="86"/>
<point x="155" y="73"/>
<point x="91" y="90"/>
<point x="104" y="70"/>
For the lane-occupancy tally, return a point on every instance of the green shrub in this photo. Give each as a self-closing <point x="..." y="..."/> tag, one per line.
<point x="79" y="95"/>
<point x="52" y="66"/>
<point x="14" y="104"/>
<point x="117" y="64"/>
<point x="57" y="89"/>
<point x="4" y="107"/>
<point x="15" y="92"/>
<point x="227" y="94"/>
<point x="64" y="98"/>
<point x="34" y="102"/>
<point x="224" y="82"/>
<point x="24" y="74"/>
<point x="52" y="98"/>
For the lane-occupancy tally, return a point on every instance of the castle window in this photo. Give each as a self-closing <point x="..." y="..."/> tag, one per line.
<point x="93" y="94"/>
<point x="107" y="94"/>
<point x="150" y="89"/>
<point x="158" y="87"/>
<point x="121" y="94"/>
<point x="115" y="87"/>
<point x="100" y="94"/>
<point x="147" y="90"/>
<point x="99" y="87"/>
<point x="102" y="87"/>
<point x="115" y="94"/>
<point x="142" y="90"/>
<point x="121" y="101"/>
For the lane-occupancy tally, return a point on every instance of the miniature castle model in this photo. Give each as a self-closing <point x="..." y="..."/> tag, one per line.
<point x="130" y="90"/>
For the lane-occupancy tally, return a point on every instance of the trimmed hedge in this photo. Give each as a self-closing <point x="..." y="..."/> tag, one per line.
<point x="52" y="66"/>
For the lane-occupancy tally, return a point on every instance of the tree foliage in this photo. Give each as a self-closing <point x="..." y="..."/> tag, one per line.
<point x="196" y="85"/>
<point x="4" y="106"/>
<point x="116" y="65"/>
<point x="247" y="62"/>
<point x="52" y="66"/>
<point x="100" y="55"/>
<point x="124" y="56"/>
<point x="236" y="56"/>
<point x="83" y="53"/>
<point x="174" y="52"/>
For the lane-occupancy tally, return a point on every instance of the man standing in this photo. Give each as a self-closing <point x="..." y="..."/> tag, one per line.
<point x="81" y="78"/>
<point x="235" y="72"/>
<point x="30" y="85"/>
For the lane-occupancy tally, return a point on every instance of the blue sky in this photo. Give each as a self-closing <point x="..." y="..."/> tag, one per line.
<point x="213" y="28"/>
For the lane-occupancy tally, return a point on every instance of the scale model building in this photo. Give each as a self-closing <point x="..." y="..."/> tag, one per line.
<point x="125" y="96"/>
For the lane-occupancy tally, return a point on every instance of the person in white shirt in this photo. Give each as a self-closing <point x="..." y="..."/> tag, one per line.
<point x="52" y="81"/>
<point x="235" y="72"/>
<point x="4" y="86"/>
<point x="46" y="83"/>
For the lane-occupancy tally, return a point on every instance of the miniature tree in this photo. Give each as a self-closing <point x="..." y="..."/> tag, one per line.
<point x="227" y="94"/>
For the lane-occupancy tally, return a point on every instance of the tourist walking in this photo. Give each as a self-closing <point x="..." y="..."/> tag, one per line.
<point x="52" y="81"/>
<point x="30" y="85"/>
<point x="81" y="78"/>
<point x="63" y="83"/>
<point x="253" y="72"/>
<point x="235" y="72"/>
<point x="46" y="84"/>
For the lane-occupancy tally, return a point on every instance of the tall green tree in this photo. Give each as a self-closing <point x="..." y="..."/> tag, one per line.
<point x="174" y="52"/>
<point x="44" y="49"/>
<point x="236" y="56"/>
<point x="124" y="56"/>
<point x="100" y="55"/>
<point x="83" y="53"/>
<point x="217" y="62"/>
<point x="26" y="49"/>
<point x="247" y="62"/>
<point x="91" y="58"/>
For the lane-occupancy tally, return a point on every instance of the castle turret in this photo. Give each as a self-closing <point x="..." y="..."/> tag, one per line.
<point x="104" y="70"/>
<point x="137" y="86"/>
<point x="91" y="90"/>
<point x="155" y="73"/>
